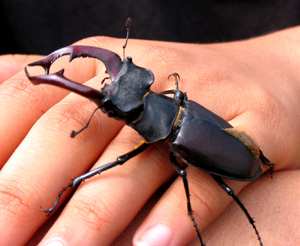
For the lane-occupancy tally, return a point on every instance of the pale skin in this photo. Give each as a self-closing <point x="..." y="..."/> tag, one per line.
<point x="254" y="84"/>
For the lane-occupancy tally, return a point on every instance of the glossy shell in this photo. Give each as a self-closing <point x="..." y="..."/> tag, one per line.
<point x="200" y="141"/>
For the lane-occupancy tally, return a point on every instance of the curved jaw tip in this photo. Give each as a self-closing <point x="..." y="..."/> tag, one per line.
<point x="26" y="72"/>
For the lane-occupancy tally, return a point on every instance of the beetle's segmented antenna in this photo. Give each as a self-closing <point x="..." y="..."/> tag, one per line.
<point x="75" y="133"/>
<point x="128" y="23"/>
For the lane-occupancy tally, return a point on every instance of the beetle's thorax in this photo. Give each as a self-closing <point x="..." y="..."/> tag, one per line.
<point x="125" y="95"/>
<point x="157" y="118"/>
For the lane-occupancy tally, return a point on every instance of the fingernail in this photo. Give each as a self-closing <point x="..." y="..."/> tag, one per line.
<point x="159" y="235"/>
<point x="52" y="242"/>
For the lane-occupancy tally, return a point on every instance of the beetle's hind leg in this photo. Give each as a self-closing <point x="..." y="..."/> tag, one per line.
<point x="182" y="173"/>
<point x="231" y="193"/>
<point x="267" y="163"/>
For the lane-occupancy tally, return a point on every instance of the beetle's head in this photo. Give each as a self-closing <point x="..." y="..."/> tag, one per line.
<point x="122" y="98"/>
<point x="125" y="94"/>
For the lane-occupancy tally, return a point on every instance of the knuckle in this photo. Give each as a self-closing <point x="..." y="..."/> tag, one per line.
<point x="101" y="41"/>
<point x="94" y="213"/>
<point x="204" y="196"/>
<point x="74" y="116"/>
<point x="20" y="89"/>
<point x="165" y="55"/>
<point x="13" y="200"/>
<point x="16" y="86"/>
<point x="130" y="138"/>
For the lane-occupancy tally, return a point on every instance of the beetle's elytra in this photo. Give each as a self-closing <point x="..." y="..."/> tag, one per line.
<point x="194" y="134"/>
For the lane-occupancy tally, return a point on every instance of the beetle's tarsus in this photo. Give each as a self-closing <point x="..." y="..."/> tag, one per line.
<point x="266" y="162"/>
<point x="50" y="210"/>
<point x="271" y="170"/>
<point x="176" y="76"/>
<point x="47" y="212"/>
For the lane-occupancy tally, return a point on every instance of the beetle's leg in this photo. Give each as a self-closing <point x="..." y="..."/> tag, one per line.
<point x="231" y="193"/>
<point x="179" y="96"/>
<point x="176" y="76"/>
<point x="168" y="92"/>
<point x="76" y="181"/>
<point x="182" y="173"/>
<point x="267" y="163"/>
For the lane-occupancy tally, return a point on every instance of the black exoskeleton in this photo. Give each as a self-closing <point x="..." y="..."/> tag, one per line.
<point x="194" y="134"/>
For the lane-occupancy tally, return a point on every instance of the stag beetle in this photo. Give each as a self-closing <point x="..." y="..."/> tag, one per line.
<point x="193" y="133"/>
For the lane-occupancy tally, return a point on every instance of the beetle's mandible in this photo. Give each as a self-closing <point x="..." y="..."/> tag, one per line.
<point x="193" y="133"/>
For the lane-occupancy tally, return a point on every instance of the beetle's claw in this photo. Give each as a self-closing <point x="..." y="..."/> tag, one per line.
<point x="266" y="162"/>
<point x="176" y="75"/>
<point x="47" y="212"/>
<point x="48" y="78"/>
<point x="111" y="60"/>
<point x="42" y="63"/>
<point x="271" y="169"/>
<point x="47" y="61"/>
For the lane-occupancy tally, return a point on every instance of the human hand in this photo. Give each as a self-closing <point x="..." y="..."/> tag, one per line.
<point x="254" y="83"/>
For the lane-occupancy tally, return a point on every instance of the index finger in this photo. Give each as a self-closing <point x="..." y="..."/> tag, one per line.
<point x="22" y="103"/>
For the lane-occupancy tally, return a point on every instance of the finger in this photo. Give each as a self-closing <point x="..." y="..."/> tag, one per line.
<point x="272" y="214"/>
<point x="13" y="64"/>
<point x="274" y="146"/>
<point x="207" y="200"/>
<point x="23" y="103"/>
<point x="13" y="90"/>
<point x="103" y="206"/>
<point x="46" y="160"/>
<point x="276" y="219"/>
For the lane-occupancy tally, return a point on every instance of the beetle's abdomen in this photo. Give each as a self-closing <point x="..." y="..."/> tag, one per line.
<point x="157" y="119"/>
<point x="200" y="141"/>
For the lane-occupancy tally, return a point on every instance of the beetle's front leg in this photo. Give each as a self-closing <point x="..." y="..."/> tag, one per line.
<point x="182" y="173"/>
<point x="78" y="180"/>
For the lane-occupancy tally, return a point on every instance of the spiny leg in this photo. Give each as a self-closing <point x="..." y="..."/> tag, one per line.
<point x="76" y="181"/>
<point x="176" y="75"/>
<point x="182" y="173"/>
<point x="267" y="163"/>
<point x="179" y="96"/>
<point x="231" y="193"/>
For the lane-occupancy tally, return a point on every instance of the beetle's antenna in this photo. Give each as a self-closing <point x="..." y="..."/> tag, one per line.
<point x="74" y="134"/>
<point x="128" y="23"/>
